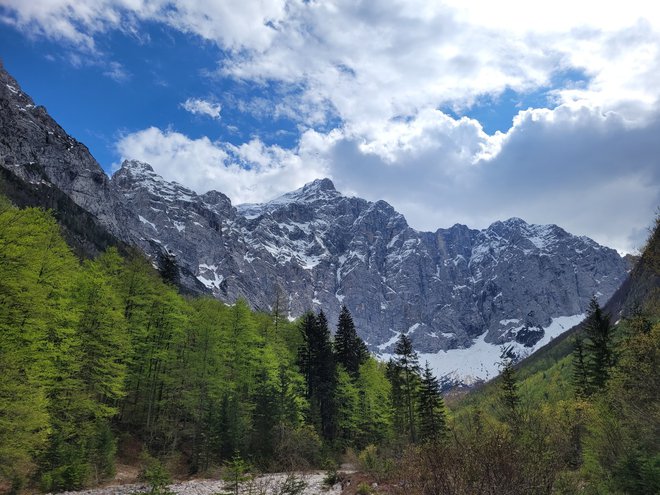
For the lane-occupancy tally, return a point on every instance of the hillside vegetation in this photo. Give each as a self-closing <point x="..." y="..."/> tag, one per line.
<point x="103" y="360"/>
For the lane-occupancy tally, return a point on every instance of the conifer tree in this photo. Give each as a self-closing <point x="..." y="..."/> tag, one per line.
<point x="316" y="361"/>
<point x="168" y="266"/>
<point x="350" y="349"/>
<point x="580" y="372"/>
<point x="509" y="397"/>
<point x="404" y="375"/>
<point x="432" y="413"/>
<point x="599" y="345"/>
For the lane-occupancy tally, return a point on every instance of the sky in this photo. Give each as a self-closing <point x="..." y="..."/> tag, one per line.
<point x="452" y="111"/>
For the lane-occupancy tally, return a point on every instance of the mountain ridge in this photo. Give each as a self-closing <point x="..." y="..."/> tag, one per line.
<point x="316" y="237"/>
<point x="315" y="248"/>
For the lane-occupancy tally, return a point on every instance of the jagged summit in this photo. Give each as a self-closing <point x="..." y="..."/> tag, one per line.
<point x="135" y="167"/>
<point x="317" y="190"/>
<point x="135" y="175"/>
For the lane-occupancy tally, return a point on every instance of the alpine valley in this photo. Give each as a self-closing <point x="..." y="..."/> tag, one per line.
<point x="459" y="293"/>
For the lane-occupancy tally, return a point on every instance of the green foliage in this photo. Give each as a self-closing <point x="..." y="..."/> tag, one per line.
<point x="292" y="485"/>
<point x="154" y="473"/>
<point x="350" y="350"/>
<point x="580" y="372"/>
<point x="236" y="472"/>
<point x="317" y="363"/>
<point x="432" y="421"/>
<point x="509" y="397"/>
<point x="91" y="349"/>
<point x="598" y="347"/>
<point x="296" y="448"/>
<point x="403" y="374"/>
<point x="364" y="489"/>
<point x="332" y="477"/>
<point x="372" y="461"/>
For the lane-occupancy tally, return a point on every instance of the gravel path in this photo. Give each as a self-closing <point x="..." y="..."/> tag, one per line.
<point x="271" y="484"/>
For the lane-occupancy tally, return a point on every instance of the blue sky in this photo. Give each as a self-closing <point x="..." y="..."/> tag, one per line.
<point x="450" y="112"/>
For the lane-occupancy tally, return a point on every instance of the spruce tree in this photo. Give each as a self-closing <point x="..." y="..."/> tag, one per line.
<point x="350" y="350"/>
<point x="599" y="345"/>
<point x="509" y="398"/>
<point x="168" y="266"/>
<point x="432" y="413"/>
<point x="316" y="362"/>
<point x="404" y="373"/>
<point x="580" y="372"/>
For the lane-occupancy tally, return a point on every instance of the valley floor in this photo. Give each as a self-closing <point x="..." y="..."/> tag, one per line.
<point x="269" y="484"/>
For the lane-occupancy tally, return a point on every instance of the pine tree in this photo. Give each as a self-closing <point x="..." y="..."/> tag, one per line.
<point x="599" y="345"/>
<point x="432" y="413"/>
<point x="350" y="350"/>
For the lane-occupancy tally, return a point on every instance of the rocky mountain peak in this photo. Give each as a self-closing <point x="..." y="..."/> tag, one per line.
<point x="319" y="189"/>
<point x="135" y="176"/>
<point x="135" y="167"/>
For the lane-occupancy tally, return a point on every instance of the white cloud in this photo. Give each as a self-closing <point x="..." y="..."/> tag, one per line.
<point x="117" y="72"/>
<point x="246" y="173"/>
<point x="386" y="70"/>
<point x="588" y="171"/>
<point x="235" y="24"/>
<point x="200" y="106"/>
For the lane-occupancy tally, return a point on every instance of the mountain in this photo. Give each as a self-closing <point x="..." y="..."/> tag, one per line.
<point x="321" y="249"/>
<point x="315" y="248"/>
<point x="43" y="166"/>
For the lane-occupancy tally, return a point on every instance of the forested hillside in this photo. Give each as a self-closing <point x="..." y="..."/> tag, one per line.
<point x="103" y="353"/>
<point x="103" y="360"/>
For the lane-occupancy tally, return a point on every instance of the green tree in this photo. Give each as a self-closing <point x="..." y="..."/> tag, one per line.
<point x="403" y="373"/>
<point x="317" y="364"/>
<point x="580" y="372"/>
<point x="432" y="412"/>
<point x="598" y="330"/>
<point x="37" y="323"/>
<point x="509" y="398"/>
<point x="350" y="349"/>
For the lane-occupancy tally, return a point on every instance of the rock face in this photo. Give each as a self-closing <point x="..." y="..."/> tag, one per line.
<point x="34" y="148"/>
<point x="316" y="249"/>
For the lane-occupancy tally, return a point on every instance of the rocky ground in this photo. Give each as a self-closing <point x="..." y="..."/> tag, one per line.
<point x="270" y="484"/>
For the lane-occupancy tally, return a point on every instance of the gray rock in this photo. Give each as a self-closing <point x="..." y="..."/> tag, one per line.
<point x="37" y="150"/>
<point x="322" y="249"/>
<point x="316" y="249"/>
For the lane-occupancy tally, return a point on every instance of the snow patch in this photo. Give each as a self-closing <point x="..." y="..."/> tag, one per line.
<point x="147" y="222"/>
<point x="481" y="360"/>
<point x="390" y="342"/>
<point x="211" y="279"/>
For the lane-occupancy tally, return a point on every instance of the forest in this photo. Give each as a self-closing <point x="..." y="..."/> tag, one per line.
<point x="104" y="360"/>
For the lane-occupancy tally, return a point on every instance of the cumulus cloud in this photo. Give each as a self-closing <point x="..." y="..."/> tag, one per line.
<point x="590" y="172"/>
<point x="200" y="106"/>
<point x="389" y="74"/>
<point x="246" y="173"/>
<point x="235" y="24"/>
